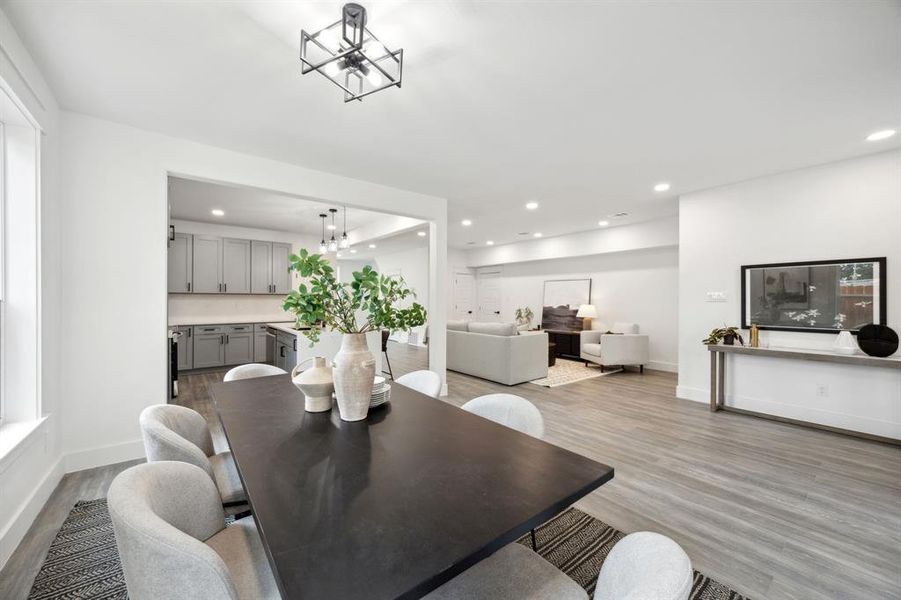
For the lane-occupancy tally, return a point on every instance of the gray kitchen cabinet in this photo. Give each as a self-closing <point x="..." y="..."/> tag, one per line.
<point x="181" y="263"/>
<point x="207" y="264"/>
<point x="260" y="344"/>
<point x="238" y="344"/>
<point x="286" y="351"/>
<point x="209" y="346"/>
<point x="185" y="345"/>
<point x="269" y="270"/>
<point x="281" y="276"/>
<point x="235" y="266"/>
<point x="261" y="267"/>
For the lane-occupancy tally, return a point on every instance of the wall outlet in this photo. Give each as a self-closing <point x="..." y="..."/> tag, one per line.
<point x="716" y="296"/>
<point x="822" y="390"/>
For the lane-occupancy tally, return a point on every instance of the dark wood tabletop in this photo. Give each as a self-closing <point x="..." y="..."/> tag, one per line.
<point x="396" y="505"/>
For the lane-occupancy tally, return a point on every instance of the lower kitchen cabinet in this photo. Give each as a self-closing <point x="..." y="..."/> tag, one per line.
<point x="209" y="347"/>
<point x="185" y="345"/>
<point x="259" y="347"/>
<point x="238" y="344"/>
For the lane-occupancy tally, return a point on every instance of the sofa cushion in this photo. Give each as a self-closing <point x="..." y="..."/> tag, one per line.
<point x="592" y="349"/>
<point x="493" y="328"/>
<point x="624" y="327"/>
<point x="458" y="325"/>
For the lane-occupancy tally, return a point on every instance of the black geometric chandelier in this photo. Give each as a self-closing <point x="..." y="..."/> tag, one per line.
<point x="350" y="56"/>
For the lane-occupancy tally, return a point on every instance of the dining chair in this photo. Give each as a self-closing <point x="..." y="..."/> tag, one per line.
<point x="426" y="382"/>
<point x="252" y="370"/>
<point x="512" y="411"/>
<point x="173" y="432"/>
<point x="173" y="542"/>
<point x="385" y="335"/>
<point x="645" y="565"/>
<point x="512" y="573"/>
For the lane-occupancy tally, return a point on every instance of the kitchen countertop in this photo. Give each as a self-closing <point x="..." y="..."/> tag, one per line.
<point x="207" y="320"/>
<point x="287" y="327"/>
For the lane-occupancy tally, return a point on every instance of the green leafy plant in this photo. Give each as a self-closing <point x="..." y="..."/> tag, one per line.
<point x="368" y="303"/>
<point x="717" y="334"/>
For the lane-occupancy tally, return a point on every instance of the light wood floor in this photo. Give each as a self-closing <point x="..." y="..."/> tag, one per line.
<point x="773" y="510"/>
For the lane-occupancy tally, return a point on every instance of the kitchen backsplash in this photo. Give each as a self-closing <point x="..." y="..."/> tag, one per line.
<point x="211" y="307"/>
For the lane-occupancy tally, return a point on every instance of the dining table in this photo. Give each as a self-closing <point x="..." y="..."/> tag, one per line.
<point x="392" y="506"/>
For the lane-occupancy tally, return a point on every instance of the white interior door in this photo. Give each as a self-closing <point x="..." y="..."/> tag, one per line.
<point x="464" y="296"/>
<point x="489" y="288"/>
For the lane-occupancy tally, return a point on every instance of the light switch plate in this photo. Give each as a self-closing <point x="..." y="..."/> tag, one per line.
<point x="716" y="296"/>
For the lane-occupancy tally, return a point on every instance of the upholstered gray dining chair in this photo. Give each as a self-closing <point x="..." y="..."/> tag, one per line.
<point x="173" y="432"/>
<point x="426" y="382"/>
<point x="512" y="411"/>
<point x="252" y="370"/>
<point x="173" y="542"/>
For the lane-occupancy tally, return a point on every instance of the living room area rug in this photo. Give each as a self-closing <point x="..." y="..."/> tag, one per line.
<point x="570" y="371"/>
<point x="83" y="562"/>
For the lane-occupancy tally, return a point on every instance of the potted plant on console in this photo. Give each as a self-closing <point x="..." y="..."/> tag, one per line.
<point x="727" y="335"/>
<point x="368" y="303"/>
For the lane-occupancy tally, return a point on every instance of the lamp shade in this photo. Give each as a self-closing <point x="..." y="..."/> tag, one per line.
<point x="587" y="311"/>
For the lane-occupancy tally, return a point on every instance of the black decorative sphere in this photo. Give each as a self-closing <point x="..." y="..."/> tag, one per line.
<point x="877" y="340"/>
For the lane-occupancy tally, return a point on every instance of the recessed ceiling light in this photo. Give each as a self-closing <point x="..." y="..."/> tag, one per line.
<point x="531" y="205"/>
<point x="881" y="135"/>
<point x="353" y="250"/>
<point x="603" y="223"/>
<point x="420" y="233"/>
<point x="661" y="187"/>
<point x="536" y="234"/>
<point x="465" y="222"/>
<point x="218" y="212"/>
<point x="372" y="245"/>
<point x="489" y="243"/>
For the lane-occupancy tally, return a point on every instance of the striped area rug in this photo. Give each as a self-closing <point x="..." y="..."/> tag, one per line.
<point x="578" y="544"/>
<point x="83" y="563"/>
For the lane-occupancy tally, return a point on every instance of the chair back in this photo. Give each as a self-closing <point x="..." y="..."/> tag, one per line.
<point x="161" y="513"/>
<point x="252" y="370"/>
<point x="173" y="432"/>
<point x="509" y="410"/>
<point x="425" y="382"/>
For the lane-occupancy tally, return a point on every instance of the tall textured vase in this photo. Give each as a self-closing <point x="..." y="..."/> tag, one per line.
<point x="354" y="374"/>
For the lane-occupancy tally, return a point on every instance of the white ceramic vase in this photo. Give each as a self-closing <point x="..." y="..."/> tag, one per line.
<point x="845" y="344"/>
<point x="316" y="384"/>
<point x="354" y="374"/>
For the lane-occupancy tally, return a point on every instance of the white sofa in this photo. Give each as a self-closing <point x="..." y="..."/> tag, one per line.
<point x="496" y="351"/>
<point x="620" y="345"/>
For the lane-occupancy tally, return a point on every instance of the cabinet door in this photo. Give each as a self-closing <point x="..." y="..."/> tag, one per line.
<point x="260" y="267"/>
<point x="291" y="355"/>
<point x="259" y="347"/>
<point x="281" y="276"/>
<point x="181" y="263"/>
<point x="239" y="348"/>
<point x="207" y="262"/>
<point x="185" y="349"/>
<point x="209" y="350"/>
<point x="235" y="266"/>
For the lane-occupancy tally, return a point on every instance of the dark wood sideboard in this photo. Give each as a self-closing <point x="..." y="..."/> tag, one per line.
<point x="567" y="342"/>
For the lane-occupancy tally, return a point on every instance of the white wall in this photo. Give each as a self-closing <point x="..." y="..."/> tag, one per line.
<point x="413" y="266"/>
<point x="32" y="469"/>
<point x="114" y="206"/>
<point x="847" y="209"/>
<point x="207" y="308"/>
<point x="640" y="286"/>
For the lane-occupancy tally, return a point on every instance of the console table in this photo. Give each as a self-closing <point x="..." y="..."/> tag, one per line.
<point x="568" y="342"/>
<point x="718" y="378"/>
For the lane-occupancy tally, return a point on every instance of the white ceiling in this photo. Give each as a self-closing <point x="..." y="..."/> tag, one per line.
<point x="582" y="106"/>
<point x="193" y="200"/>
<point x="404" y="241"/>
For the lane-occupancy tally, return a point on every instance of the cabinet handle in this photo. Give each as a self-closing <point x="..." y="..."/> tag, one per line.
<point x="226" y="338"/>
<point x="189" y="286"/>
<point x="281" y="351"/>
<point x="295" y="344"/>
<point x="225" y="289"/>
<point x="190" y="331"/>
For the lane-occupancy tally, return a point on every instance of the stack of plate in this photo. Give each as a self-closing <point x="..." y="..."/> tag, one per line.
<point x="381" y="392"/>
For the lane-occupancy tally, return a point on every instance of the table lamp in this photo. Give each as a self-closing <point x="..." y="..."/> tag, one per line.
<point x="587" y="312"/>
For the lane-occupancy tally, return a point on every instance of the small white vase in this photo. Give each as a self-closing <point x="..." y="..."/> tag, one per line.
<point x="354" y="374"/>
<point x="316" y="384"/>
<point x="844" y="343"/>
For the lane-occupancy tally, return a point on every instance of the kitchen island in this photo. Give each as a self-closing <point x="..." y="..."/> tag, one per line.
<point x="291" y="346"/>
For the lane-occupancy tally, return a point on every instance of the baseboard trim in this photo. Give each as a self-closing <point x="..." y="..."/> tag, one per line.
<point x="692" y="393"/>
<point x="669" y="367"/>
<point x="104" y="455"/>
<point x="15" y="532"/>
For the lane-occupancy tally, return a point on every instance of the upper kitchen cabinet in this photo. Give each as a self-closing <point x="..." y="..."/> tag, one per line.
<point x="270" y="273"/>
<point x="181" y="263"/>
<point x="207" y="264"/>
<point x="235" y="266"/>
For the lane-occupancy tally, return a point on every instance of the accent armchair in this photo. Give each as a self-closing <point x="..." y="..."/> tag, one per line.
<point x="622" y="346"/>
